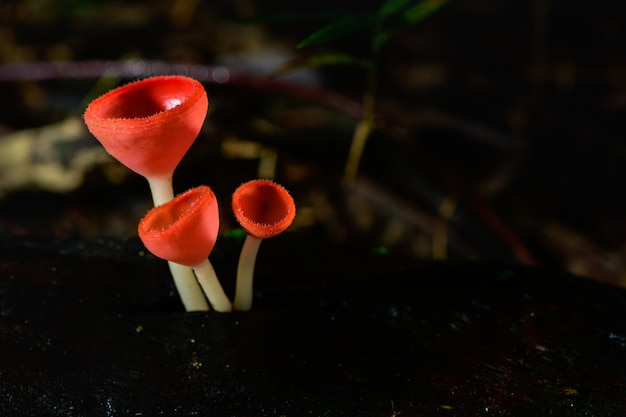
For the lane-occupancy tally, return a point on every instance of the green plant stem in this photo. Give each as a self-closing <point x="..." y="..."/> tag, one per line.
<point x="245" y="273"/>
<point x="365" y="125"/>
<point x="185" y="281"/>
<point x="212" y="287"/>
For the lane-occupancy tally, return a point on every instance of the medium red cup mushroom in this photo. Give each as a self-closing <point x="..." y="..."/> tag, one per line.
<point x="184" y="231"/>
<point x="264" y="209"/>
<point x="148" y="126"/>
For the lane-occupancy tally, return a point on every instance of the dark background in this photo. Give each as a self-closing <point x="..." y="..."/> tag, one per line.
<point x="514" y="108"/>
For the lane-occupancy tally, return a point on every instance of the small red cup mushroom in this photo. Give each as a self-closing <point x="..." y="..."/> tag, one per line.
<point x="184" y="231"/>
<point x="264" y="209"/>
<point x="148" y="126"/>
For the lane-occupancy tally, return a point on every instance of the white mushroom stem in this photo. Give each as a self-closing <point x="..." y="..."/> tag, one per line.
<point x="212" y="287"/>
<point x="161" y="189"/>
<point x="188" y="288"/>
<point x="185" y="281"/>
<point x="245" y="273"/>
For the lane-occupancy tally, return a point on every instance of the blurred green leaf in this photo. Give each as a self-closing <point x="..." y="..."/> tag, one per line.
<point x="341" y="27"/>
<point x="391" y="7"/>
<point x="381" y="250"/>
<point x="237" y="233"/>
<point x="422" y="10"/>
<point x="102" y="85"/>
<point x="410" y="16"/>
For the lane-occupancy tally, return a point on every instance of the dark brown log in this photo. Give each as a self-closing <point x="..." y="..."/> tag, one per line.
<point x="94" y="328"/>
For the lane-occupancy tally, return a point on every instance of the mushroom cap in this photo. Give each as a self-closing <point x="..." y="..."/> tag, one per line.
<point x="149" y="125"/>
<point x="263" y="208"/>
<point x="183" y="230"/>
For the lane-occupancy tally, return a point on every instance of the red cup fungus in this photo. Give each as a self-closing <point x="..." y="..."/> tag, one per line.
<point x="264" y="209"/>
<point x="184" y="231"/>
<point x="148" y="126"/>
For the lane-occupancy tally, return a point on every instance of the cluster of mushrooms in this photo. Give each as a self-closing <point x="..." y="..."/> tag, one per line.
<point x="149" y="125"/>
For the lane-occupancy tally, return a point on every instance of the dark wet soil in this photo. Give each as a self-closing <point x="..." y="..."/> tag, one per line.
<point x="93" y="328"/>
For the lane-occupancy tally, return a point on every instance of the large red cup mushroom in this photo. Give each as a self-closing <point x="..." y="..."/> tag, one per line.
<point x="264" y="209"/>
<point x="184" y="231"/>
<point x="148" y="126"/>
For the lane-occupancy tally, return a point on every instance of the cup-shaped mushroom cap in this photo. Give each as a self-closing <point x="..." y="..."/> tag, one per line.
<point x="263" y="208"/>
<point x="183" y="230"/>
<point x="149" y="125"/>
